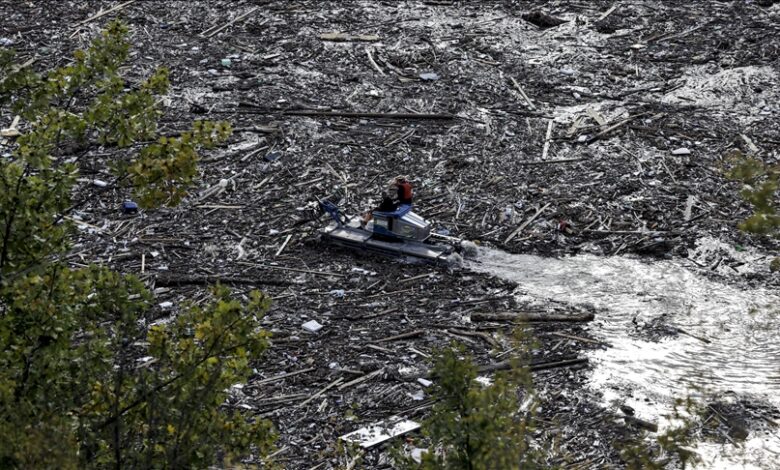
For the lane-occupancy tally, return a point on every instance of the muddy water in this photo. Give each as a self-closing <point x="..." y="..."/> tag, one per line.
<point x="741" y="354"/>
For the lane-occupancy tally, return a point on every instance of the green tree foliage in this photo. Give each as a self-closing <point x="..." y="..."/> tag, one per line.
<point x="90" y="376"/>
<point x="760" y="184"/>
<point x="475" y="426"/>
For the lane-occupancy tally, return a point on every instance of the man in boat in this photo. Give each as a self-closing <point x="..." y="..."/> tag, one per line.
<point x="387" y="205"/>
<point x="404" y="190"/>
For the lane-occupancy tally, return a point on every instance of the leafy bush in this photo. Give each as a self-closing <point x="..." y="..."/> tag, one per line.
<point x="89" y="376"/>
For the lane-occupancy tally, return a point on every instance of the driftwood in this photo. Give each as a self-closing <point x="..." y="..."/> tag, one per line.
<point x="522" y="317"/>
<point x="282" y="376"/>
<point x="652" y="427"/>
<point x="216" y="29"/>
<point x="410" y="334"/>
<point x="526" y="223"/>
<point x="362" y="379"/>
<point x="505" y="365"/>
<point x="548" y="162"/>
<point x="103" y="13"/>
<point x="170" y="280"/>
<point x="323" y="390"/>
<point x="614" y="127"/>
<point x="578" y="338"/>
<point x="477" y="334"/>
<point x="349" y="114"/>
<point x="295" y="270"/>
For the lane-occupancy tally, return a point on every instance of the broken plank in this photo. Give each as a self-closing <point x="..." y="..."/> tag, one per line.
<point x="380" y="349"/>
<point x="522" y="93"/>
<point x="281" y="248"/>
<point x="614" y="127"/>
<point x="103" y="13"/>
<point x="526" y="223"/>
<point x="410" y="279"/>
<point x="343" y="37"/>
<point x="372" y="62"/>
<point x="209" y="33"/>
<point x="549" y="162"/>
<point x="362" y="379"/>
<point x="548" y="135"/>
<point x="410" y="334"/>
<point x="328" y="387"/>
<point x="282" y="376"/>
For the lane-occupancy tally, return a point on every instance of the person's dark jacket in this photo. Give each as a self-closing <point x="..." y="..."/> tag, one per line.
<point x="387" y="205"/>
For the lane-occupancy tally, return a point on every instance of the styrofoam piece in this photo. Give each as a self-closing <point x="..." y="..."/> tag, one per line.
<point x="312" y="326"/>
<point x="381" y="431"/>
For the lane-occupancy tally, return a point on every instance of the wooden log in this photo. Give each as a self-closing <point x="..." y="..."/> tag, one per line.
<point x="702" y="339"/>
<point x="522" y="93"/>
<point x="348" y="114"/>
<point x="478" y="334"/>
<point x="548" y="162"/>
<point x="410" y="334"/>
<point x="527" y="317"/>
<point x="372" y="62"/>
<point x="212" y="31"/>
<point x="328" y="387"/>
<point x="282" y="376"/>
<point x="547" y="136"/>
<point x="103" y="13"/>
<point x="173" y="279"/>
<point x="526" y="223"/>
<point x="505" y="365"/>
<point x="578" y="338"/>
<point x="652" y="427"/>
<point x="295" y="270"/>
<point x="361" y="379"/>
<point x="614" y="127"/>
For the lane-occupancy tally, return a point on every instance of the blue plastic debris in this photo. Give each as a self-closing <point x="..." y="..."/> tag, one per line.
<point x="129" y="207"/>
<point x="273" y="156"/>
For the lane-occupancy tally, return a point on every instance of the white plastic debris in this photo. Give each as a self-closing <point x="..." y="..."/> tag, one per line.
<point x="484" y="380"/>
<point x="381" y="431"/>
<point x="166" y="305"/>
<point x="417" y="454"/>
<point x="99" y="183"/>
<point x="681" y="151"/>
<point x="424" y="382"/>
<point x="312" y="326"/>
